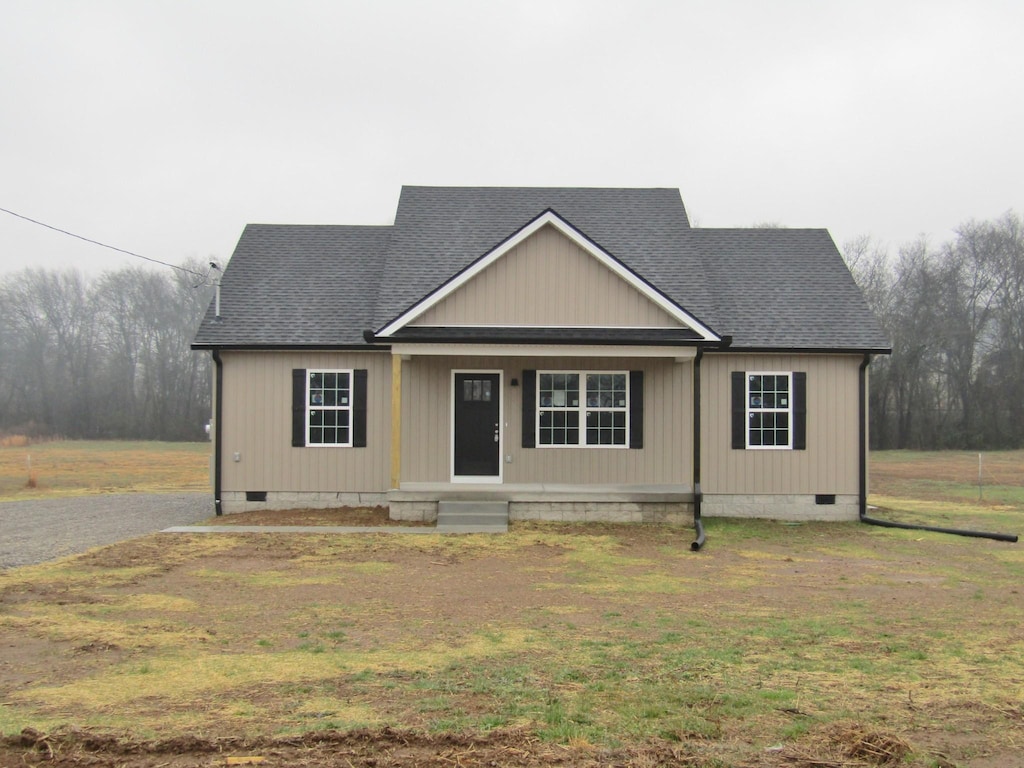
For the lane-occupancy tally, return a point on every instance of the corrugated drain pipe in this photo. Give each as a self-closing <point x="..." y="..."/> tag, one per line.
<point x="863" y="397"/>
<point x="698" y="495"/>
<point x="218" y="410"/>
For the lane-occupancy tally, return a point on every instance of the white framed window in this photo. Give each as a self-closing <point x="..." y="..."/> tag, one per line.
<point x="583" y="408"/>
<point x="329" y="408"/>
<point x="769" y="404"/>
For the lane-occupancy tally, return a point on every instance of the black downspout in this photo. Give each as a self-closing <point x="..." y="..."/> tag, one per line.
<point x="863" y="403"/>
<point x="698" y="495"/>
<point x="862" y="435"/>
<point x="218" y="411"/>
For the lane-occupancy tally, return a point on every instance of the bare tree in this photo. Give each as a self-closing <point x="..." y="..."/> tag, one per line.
<point x="104" y="359"/>
<point x="955" y="316"/>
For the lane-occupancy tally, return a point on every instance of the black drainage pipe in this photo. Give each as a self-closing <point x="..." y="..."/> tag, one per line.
<point x="864" y="518"/>
<point x="1011" y="537"/>
<point x="698" y="496"/>
<point x="218" y="412"/>
<point x="698" y="525"/>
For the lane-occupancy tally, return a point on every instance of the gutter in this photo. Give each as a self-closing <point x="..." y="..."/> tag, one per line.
<point x="698" y="495"/>
<point x="862" y="397"/>
<point x="217" y="442"/>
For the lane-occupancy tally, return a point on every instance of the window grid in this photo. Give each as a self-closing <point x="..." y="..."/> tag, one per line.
<point x="561" y="410"/>
<point x="329" y="408"/>
<point x="769" y="410"/>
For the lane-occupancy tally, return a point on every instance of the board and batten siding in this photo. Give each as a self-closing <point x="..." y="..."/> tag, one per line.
<point x="666" y="457"/>
<point x="830" y="462"/>
<point x="257" y="418"/>
<point x="547" y="280"/>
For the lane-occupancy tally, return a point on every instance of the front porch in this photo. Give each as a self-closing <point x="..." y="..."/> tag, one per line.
<point x="612" y="503"/>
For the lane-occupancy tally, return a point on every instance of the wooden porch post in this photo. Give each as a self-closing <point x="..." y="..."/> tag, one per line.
<point x="396" y="420"/>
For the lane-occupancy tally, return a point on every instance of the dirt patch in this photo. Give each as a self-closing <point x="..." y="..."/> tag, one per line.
<point x="849" y="746"/>
<point x="524" y="649"/>
<point x="347" y="516"/>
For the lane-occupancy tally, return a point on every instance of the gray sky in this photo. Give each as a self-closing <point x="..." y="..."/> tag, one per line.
<point x="164" y="127"/>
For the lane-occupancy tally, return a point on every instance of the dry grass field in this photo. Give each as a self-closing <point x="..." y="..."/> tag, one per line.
<point x="811" y="645"/>
<point x="72" y="467"/>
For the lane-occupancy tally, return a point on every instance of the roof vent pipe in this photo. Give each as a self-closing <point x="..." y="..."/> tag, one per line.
<point x="216" y="287"/>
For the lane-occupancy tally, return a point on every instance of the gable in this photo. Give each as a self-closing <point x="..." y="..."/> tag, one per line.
<point x="439" y="232"/>
<point x="586" y="249"/>
<point x="547" y="280"/>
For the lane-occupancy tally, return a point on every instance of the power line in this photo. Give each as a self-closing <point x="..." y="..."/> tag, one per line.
<point x="104" y="245"/>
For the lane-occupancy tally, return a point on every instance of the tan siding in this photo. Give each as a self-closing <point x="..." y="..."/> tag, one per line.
<point x="426" y="420"/>
<point x="257" y="425"/>
<point x="829" y="465"/>
<point x="668" y="419"/>
<point x="547" y="280"/>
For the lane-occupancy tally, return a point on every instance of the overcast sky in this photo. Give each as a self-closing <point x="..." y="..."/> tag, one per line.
<point x="164" y="127"/>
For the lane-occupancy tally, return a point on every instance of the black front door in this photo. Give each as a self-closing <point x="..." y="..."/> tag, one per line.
<point x="477" y="424"/>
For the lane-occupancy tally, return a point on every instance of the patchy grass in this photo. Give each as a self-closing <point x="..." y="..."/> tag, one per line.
<point x="807" y="644"/>
<point x="951" y="477"/>
<point x="73" y="467"/>
<point x="942" y="489"/>
<point x="774" y="635"/>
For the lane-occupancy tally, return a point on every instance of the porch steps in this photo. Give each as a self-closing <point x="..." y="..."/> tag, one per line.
<point x="472" y="517"/>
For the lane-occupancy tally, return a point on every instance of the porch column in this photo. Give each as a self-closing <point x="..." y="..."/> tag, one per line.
<point x="396" y="420"/>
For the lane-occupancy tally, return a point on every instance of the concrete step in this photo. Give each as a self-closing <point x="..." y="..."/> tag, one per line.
<point x="472" y="516"/>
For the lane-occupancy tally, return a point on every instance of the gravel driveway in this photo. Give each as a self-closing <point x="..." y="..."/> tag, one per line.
<point x="35" y="531"/>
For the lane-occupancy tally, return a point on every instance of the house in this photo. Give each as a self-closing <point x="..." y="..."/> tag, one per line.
<point x="578" y="353"/>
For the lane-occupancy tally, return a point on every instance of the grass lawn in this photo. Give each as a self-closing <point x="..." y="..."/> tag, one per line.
<point x="796" y="645"/>
<point x="74" y="467"/>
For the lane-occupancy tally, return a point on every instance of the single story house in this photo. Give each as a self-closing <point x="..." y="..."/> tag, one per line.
<point x="578" y="353"/>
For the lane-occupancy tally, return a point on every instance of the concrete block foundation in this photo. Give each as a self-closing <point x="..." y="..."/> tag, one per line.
<point x="797" y="507"/>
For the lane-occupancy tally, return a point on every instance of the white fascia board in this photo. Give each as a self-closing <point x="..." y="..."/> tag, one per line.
<point x="552" y="218"/>
<point x="532" y="327"/>
<point x="542" y="350"/>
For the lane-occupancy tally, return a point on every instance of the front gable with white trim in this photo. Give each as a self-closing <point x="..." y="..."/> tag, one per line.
<point x="547" y="275"/>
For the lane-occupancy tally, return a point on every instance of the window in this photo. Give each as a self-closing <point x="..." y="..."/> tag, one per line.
<point x="329" y="408"/>
<point x="476" y="390"/>
<point x="583" y="408"/>
<point x="769" y="410"/>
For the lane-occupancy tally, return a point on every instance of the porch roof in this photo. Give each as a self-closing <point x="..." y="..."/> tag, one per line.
<point x="535" y="335"/>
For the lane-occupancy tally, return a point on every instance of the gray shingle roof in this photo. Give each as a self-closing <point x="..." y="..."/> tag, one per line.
<point x="324" y="285"/>
<point x="783" y="288"/>
<point x="297" y="285"/>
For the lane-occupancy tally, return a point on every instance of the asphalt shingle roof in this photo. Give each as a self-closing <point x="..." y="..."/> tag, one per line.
<point x="324" y="285"/>
<point x="292" y="285"/>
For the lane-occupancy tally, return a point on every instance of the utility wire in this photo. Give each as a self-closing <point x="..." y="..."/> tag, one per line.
<point x="111" y="247"/>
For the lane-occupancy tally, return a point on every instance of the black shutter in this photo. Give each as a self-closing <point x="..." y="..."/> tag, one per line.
<point x="298" y="407"/>
<point x="529" y="409"/>
<point x="636" y="409"/>
<point x="799" y="411"/>
<point x="739" y="409"/>
<point x="359" y="408"/>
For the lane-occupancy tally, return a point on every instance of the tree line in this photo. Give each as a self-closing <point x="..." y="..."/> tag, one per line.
<point x="105" y="357"/>
<point x="954" y="314"/>
<point x="110" y="357"/>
